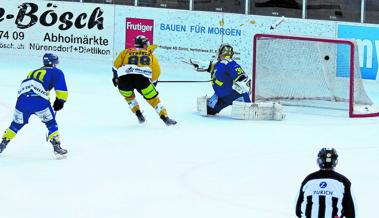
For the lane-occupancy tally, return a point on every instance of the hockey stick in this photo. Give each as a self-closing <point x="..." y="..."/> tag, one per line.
<point x="189" y="62"/>
<point x="184" y="81"/>
<point x="185" y="61"/>
<point x="277" y="23"/>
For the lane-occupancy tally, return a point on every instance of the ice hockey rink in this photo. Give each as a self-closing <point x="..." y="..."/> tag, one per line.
<point x="204" y="167"/>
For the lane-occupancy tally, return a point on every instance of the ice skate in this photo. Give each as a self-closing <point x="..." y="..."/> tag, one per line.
<point x="3" y="144"/>
<point x="59" y="152"/>
<point x="168" y="121"/>
<point x="141" y="118"/>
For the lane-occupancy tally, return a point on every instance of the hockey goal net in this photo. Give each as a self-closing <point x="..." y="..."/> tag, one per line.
<point x="304" y="71"/>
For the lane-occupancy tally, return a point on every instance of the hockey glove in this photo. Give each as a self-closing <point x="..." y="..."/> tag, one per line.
<point x="201" y="66"/>
<point x="115" y="81"/>
<point x="115" y="77"/>
<point x="155" y="83"/>
<point x="58" y="104"/>
<point x="242" y="84"/>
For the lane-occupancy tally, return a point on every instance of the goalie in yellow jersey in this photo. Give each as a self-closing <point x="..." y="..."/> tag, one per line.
<point x="138" y="69"/>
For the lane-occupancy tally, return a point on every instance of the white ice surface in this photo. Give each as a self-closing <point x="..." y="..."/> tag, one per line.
<point x="205" y="167"/>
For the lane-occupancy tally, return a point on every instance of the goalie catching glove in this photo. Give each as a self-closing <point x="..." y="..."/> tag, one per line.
<point x="201" y="66"/>
<point x="242" y="84"/>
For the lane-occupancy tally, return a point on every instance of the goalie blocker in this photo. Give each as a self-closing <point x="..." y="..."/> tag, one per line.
<point x="248" y="111"/>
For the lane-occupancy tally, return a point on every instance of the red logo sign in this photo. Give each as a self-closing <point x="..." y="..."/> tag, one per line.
<point x="137" y="26"/>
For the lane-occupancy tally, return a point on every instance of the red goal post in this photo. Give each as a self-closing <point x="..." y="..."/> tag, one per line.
<point x="310" y="71"/>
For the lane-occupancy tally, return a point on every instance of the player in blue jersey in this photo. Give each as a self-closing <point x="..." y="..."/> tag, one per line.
<point x="229" y="81"/>
<point x="33" y="98"/>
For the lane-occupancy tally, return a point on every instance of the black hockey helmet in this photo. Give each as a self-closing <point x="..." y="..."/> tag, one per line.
<point x="50" y="59"/>
<point x="327" y="158"/>
<point x="226" y="50"/>
<point x="140" y="41"/>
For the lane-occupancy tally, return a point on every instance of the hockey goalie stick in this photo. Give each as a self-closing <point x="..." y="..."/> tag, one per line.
<point x="189" y="62"/>
<point x="184" y="81"/>
<point x="185" y="61"/>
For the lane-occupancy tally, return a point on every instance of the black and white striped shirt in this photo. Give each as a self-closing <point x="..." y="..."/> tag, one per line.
<point x="325" y="194"/>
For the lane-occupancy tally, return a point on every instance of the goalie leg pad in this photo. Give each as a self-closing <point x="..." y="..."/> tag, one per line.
<point x="278" y="113"/>
<point x="202" y="103"/>
<point x="257" y="111"/>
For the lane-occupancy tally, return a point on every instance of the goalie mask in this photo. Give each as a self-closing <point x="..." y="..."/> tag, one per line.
<point x="225" y="50"/>
<point x="140" y="41"/>
<point x="327" y="158"/>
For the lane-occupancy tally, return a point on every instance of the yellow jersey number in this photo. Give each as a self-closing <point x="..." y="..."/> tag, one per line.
<point x="213" y="76"/>
<point x="37" y="74"/>
<point x="214" y="79"/>
<point x="240" y="70"/>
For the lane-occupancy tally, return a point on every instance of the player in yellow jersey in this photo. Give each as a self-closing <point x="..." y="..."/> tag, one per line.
<point x="138" y="69"/>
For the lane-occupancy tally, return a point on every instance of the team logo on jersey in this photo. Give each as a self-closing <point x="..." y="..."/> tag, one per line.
<point x="323" y="185"/>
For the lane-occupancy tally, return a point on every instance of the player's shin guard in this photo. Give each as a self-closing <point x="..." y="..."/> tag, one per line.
<point x="133" y="103"/>
<point x="157" y="105"/>
<point x="9" y="134"/>
<point x="134" y="107"/>
<point x="54" y="135"/>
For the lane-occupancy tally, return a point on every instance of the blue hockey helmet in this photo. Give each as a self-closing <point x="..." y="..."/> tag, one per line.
<point x="327" y="158"/>
<point x="50" y="59"/>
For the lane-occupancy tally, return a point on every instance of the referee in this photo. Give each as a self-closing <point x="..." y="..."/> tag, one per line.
<point x="325" y="193"/>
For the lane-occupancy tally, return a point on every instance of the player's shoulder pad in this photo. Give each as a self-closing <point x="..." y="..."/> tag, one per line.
<point x="127" y="50"/>
<point x="151" y="48"/>
<point x="227" y="61"/>
<point x="58" y="71"/>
